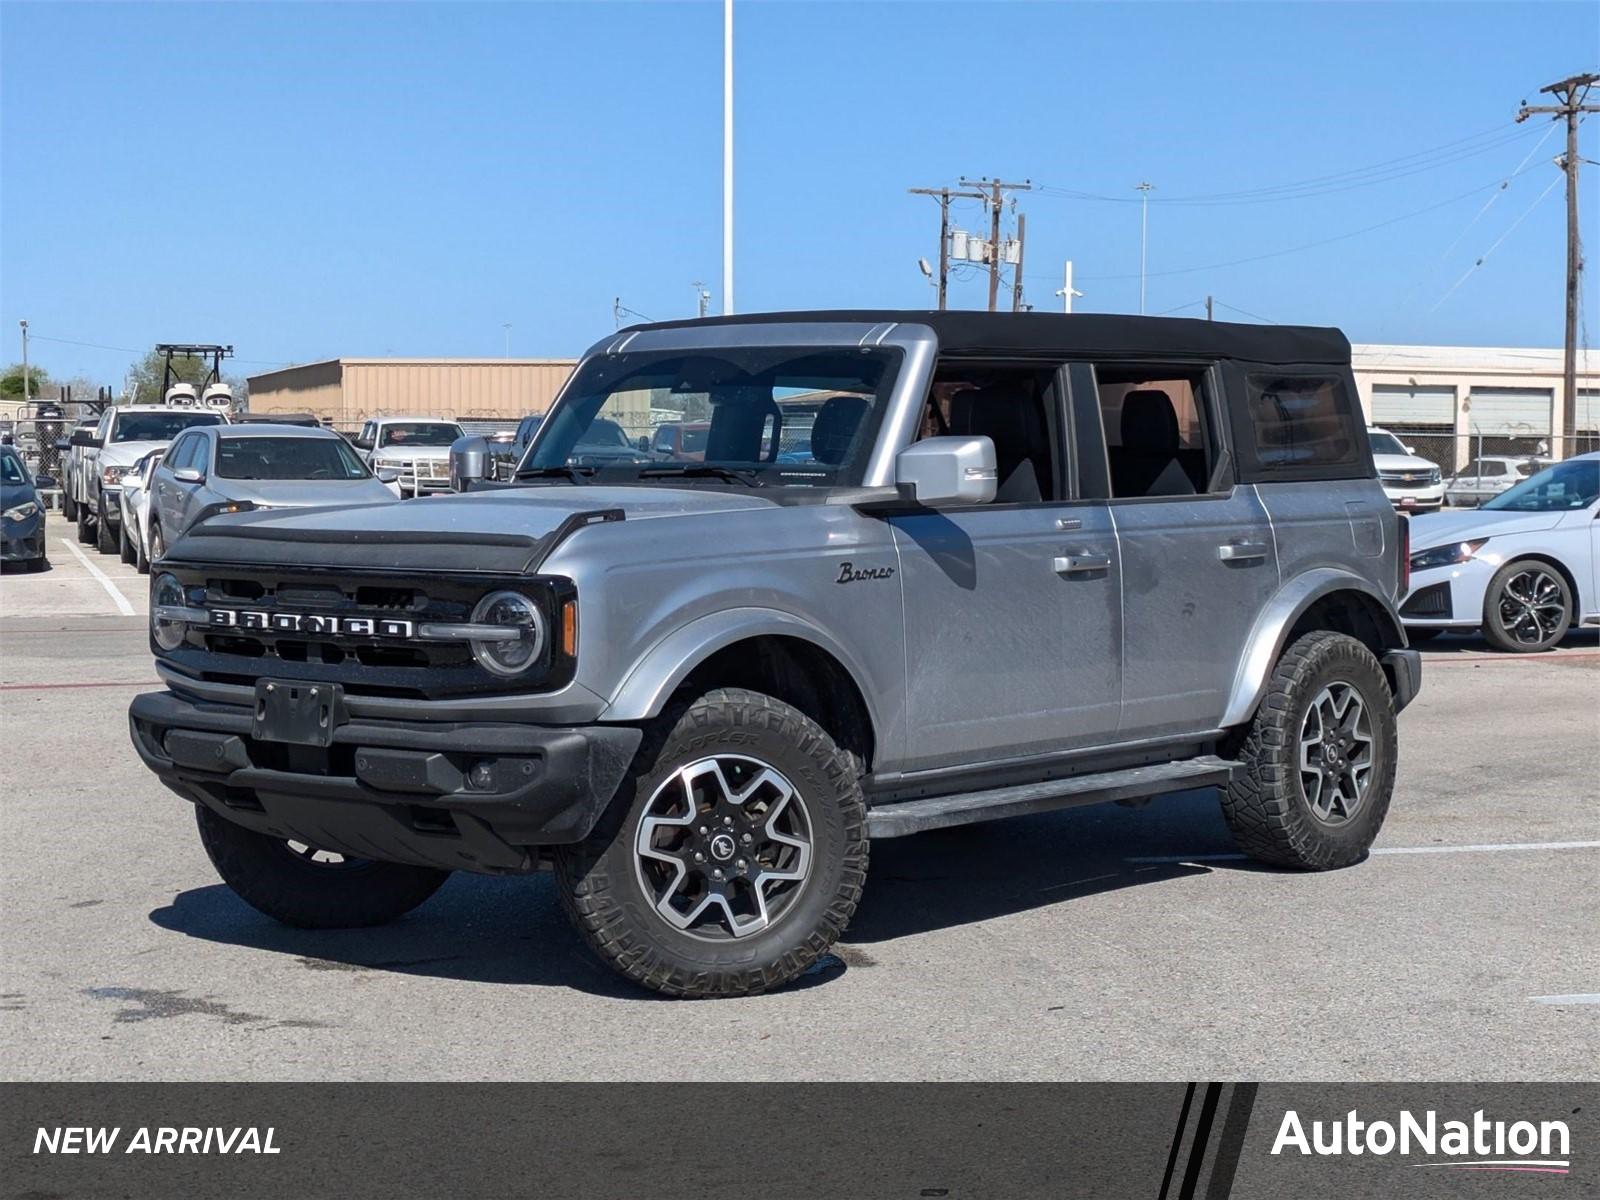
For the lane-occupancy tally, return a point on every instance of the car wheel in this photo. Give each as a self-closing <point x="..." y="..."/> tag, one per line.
<point x="158" y="545"/>
<point x="1526" y="607"/>
<point x="69" y="506"/>
<point x="124" y="543"/>
<point x="1318" y="760"/>
<point x="732" y="857"/>
<point x="105" y="538"/>
<point x="85" y="526"/>
<point x="141" y="561"/>
<point x="310" y="888"/>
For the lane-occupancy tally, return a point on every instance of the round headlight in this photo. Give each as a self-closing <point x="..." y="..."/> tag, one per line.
<point x="515" y="612"/>
<point x="166" y="592"/>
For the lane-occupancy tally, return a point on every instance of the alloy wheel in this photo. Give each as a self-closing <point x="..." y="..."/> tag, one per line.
<point x="723" y="847"/>
<point x="1531" y="607"/>
<point x="1336" y="753"/>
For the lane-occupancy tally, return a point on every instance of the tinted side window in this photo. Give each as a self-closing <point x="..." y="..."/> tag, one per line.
<point x="173" y="459"/>
<point x="1300" y="426"/>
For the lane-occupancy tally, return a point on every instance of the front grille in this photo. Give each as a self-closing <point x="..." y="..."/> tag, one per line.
<point x="1406" y="477"/>
<point x="370" y="665"/>
<point x="1431" y="601"/>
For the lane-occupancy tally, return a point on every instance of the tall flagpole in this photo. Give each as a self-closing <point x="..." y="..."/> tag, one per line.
<point x="727" y="156"/>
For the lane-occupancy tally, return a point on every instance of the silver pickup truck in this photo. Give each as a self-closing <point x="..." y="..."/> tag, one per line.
<point x="1001" y="564"/>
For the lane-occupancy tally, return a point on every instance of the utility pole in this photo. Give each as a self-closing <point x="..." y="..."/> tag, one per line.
<point x="1571" y="92"/>
<point x="24" y="325"/>
<point x="1144" y="235"/>
<point x="944" y="195"/>
<point x="506" y="325"/>
<point x="995" y="199"/>
<point x="1208" y="308"/>
<point x="1016" y="278"/>
<point x="702" y="297"/>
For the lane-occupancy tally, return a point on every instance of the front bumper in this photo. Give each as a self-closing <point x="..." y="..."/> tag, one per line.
<point x="22" y="541"/>
<point x="1450" y="596"/>
<point x="392" y="790"/>
<point x="1411" y="498"/>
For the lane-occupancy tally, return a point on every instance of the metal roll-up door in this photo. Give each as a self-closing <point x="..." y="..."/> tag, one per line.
<point x="1396" y="404"/>
<point x="1510" y="412"/>
<point x="1588" y="410"/>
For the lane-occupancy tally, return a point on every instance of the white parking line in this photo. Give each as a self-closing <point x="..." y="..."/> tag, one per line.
<point x="1574" y="998"/>
<point x="123" y="606"/>
<point x="1488" y="848"/>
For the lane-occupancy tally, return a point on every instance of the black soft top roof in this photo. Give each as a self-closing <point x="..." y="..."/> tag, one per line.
<point x="1081" y="333"/>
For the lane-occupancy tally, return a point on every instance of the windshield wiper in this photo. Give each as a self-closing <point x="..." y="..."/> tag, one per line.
<point x="704" y="470"/>
<point x="575" y="474"/>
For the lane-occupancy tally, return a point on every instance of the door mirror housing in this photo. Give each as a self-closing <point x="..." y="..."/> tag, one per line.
<point x="387" y="474"/>
<point x="948" y="470"/>
<point x="47" y="482"/>
<point x="189" y="475"/>
<point x="469" y="462"/>
<point x="85" y="437"/>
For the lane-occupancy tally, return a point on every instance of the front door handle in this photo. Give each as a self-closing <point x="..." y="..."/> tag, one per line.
<point x="1242" y="551"/>
<point x="1081" y="564"/>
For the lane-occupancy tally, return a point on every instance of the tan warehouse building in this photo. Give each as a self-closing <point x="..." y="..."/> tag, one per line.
<point x="346" y="391"/>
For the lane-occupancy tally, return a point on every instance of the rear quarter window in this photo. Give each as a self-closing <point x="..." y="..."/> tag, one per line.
<point x="1295" y="425"/>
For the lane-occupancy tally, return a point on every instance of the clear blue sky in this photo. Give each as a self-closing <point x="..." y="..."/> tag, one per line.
<point x="311" y="180"/>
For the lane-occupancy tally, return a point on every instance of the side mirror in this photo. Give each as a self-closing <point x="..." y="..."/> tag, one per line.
<point x="189" y="475"/>
<point x="1411" y="450"/>
<point x="85" y="437"/>
<point x="47" y="482"/>
<point x="948" y="470"/>
<point x="469" y="462"/>
<point x="388" y="474"/>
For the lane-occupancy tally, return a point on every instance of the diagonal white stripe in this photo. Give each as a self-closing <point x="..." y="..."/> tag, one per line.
<point x="123" y="606"/>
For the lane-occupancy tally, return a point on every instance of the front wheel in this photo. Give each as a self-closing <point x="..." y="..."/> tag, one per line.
<point x="69" y="506"/>
<point x="158" y="546"/>
<point x="310" y="888"/>
<point x="85" y="526"/>
<point x="1527" y="607"/>
<point x="125" y="544"/>
<point x="1318" y="759"/>
<point x="733" y="855"/>
<point x="105" y="536"/>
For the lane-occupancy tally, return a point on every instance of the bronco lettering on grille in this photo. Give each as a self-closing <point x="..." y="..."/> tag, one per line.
<point x="311" y="623"/>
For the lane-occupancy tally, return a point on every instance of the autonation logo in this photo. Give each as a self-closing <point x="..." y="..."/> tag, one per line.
<point x="1476" y="1145"/>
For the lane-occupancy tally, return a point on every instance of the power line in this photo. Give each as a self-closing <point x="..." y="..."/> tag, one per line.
<point x="1484" y="257"/>
<point x="254" y="362"/>
<point x="1245" y="313"/>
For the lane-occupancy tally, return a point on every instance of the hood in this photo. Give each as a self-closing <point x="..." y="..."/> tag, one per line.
<point x="501" y="531"/>
<point x="1435" y="529"/>
<point x="13" y="494"/>
<point x="127" y="453"/>
<point x="1403" y="462"/>
<point x="301" y="493"/>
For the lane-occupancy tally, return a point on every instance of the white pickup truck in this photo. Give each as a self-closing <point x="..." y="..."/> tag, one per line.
<point x="101" y="456"/>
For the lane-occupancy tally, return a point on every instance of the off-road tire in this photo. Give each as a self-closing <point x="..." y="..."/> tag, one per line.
<point x="104" y="536"/>
<point x="1266" y="805"/>
<point x="272" y="879"/>
<point x="1495" y="631"/>
<point x="601" y="889"/>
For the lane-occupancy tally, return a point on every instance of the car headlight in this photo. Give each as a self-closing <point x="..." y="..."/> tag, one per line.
<point x="1435" y="475"/>
<point x="512" y="636"/>
<point x="1447" y="555"/>
<point x="112" y="476"/>
<point x="22" y="511"/>
<point x="169" y="611"/>
<point x="392" y="464"/>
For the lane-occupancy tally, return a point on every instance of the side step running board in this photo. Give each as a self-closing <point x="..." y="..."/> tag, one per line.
<point x="965" y="808"/>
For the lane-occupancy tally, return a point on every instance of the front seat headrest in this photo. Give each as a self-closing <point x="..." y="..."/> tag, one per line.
<point x="1149" y="422"/>
<point x="835" y="428"/>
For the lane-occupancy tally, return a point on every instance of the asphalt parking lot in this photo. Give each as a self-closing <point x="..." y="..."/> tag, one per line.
<point x="1103" y="943"/>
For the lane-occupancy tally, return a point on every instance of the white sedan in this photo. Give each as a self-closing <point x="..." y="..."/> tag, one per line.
<point x="135" y="501"/>
<point x="1524" y="568"/>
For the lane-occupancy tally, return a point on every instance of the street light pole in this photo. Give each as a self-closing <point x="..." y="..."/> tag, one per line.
<point x="727" y="157"/>
<point x="507" y="327"/>
<point x="1144" y="236"/>
<point x="24" y="325"/>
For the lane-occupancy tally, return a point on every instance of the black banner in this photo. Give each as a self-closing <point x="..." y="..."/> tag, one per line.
<point x="1159" y="1141"/>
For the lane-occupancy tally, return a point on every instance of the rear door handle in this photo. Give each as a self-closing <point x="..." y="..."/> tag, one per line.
<point x="1242" y="551"/>
<point x="1081" y="564"/>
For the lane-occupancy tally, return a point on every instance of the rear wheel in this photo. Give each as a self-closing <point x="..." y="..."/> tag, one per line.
<point x="1318" y="760"/>
<point x="85" y="525"/>
<point x="1527" y="607"/>
<point x="125" y="544"/>
<point x="310" y="888"/>
<point x="141" y="561"/>
<point x="732" y="857"/>
<point x="105" y="537"/>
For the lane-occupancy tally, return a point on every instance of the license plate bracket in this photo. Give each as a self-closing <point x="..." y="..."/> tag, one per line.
<point x="303" y="714"/>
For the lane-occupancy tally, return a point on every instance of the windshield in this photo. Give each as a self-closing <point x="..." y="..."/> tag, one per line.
<point x="287" y="457"/>
<point x="767" y="415"/>
<point x="1387" y="443"/>
<point x="1567" y="485"/>
<point x="419" y="433"/>
<point x="157" y="426"/>
<point x="11" y="469"/>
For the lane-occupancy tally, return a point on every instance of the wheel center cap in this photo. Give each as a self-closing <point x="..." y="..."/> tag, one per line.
<point x="723" y="847"/>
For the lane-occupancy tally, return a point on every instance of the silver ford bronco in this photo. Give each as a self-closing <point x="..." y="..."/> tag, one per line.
<point x="926" y="569"/>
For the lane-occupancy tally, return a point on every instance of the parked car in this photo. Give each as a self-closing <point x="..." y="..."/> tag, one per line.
<point x="1487" y="476"/>
<point x="124" y="435"/>
<point x="1131" y="556"/>
<point x="680" y="441"/>
<point x="1524" y="568"/>
<point x="22" y="519"/>
<point x="247" y="467"/>
<point x="135" y="500"/>
<point x="1412" y="483"/>
<point x="416" y="448"/>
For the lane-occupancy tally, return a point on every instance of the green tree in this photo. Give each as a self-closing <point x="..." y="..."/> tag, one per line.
<point x="11" y="381"/>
